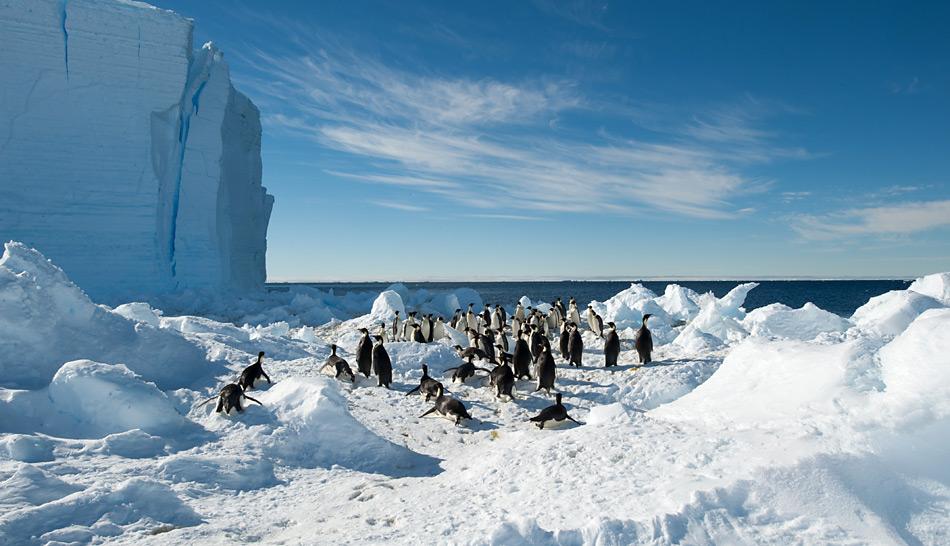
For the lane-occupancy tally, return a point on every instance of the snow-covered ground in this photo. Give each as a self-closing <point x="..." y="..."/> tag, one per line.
<point x="785" y="426"/>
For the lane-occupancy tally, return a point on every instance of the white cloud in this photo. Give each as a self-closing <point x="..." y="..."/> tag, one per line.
<point x="481" y="141"/>
<point x="399" y="206"/>
<point x="898" y="219"/>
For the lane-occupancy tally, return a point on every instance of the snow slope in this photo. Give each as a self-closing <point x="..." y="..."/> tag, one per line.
<point x="126" y="155"/>
<point x="791" y="428"/>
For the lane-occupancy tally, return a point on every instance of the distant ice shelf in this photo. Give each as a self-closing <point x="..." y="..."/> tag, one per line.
<point x="126" y="156"/>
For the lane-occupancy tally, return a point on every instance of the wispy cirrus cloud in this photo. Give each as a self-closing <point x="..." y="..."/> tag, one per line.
<point x="485" y="143"/>
<point x="400" y="206"/>
<point x="900" y="219"/>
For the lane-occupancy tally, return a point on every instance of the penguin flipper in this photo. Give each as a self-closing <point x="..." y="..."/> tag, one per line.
<point x="253" y="400"/>
<point x="414" y="390"/>
<point x="428" y="412"/>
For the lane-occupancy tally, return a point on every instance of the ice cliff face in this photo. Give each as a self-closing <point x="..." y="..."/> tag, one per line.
<point x="126" y="156"/>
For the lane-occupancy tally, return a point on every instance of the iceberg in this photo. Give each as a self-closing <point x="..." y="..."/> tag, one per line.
<point x="126" y="156"/>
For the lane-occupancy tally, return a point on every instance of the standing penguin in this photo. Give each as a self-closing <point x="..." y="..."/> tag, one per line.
<point x="611" y="345"/>
<point x="560" y="308"/>
<point x="382" y="365"/>
<point x="497" y="322"/>
<point x="406" y="334"/>
<point x="519" y="312"/>
<point x="438" y="331"/>
<point x="486" y="342"/>
<point x="486" y="316"/>
<point x="502" y="339"/>
<point x="449" y="407"/>
<point x="536" y="337"/>
<point x="455" y="319"/>
<point x="395" y="329"/>
<point x="417" y="335"/>
<point x="557" y="412"/>
<point x="364" y="353"/>
<point x="572" y="314"/>
<point x="643" y="340"/>
<point x="521" y="358"/>
<point x="470" y="318"/>
<point x="503" y="379"/>
<point x="383" y="331"/>
<point x="546" y="371"/>
<point x="503" y="313"/>
<point x="426" y="326"/>
<point x="517" y="326"/>
<point x="595" y="322"/>
<point x="575" y="346"/>
<point x="564" y="341"/>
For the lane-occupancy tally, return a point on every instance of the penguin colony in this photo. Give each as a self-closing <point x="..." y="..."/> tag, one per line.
<point x="532" y="356"/>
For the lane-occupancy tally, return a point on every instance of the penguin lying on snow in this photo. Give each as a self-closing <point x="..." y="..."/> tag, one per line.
<point x="557" y="412"/>
<point x="340" y="366"/>
<point x="252" y="374"/>
<point x="465" y="370"/>
<point x="230" y="397"/>
<point x="469" y="352"/>
<point x="427" y="386"/>
<point x="449" y="407"/>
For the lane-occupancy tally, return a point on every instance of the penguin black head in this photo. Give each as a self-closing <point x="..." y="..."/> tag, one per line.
<point x="441" y="318"/>
<point x="333" y="348"/>
<point x="378" y="339"/>
<point x="457" y="348"/>
<point x="425" y="370"/>
<point x="260" y="354"/>
<point x="557" y="398"/>
<point x="645" y="317"/>
<point x="612" y="325"/>
<point x="397" y="313"/>
<point x="364" y="331"/>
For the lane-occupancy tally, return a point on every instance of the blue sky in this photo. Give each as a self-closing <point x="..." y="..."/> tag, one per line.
<point x="509" y="140"/>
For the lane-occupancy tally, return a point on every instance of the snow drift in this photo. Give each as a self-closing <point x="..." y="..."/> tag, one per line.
<point x="126" y="155"/>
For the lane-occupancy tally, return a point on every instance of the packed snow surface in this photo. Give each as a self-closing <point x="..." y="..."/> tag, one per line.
<point x="776" y="426"/>
<point x="126" y="155"/>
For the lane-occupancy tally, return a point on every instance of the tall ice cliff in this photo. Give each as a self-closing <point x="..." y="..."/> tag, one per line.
<point x="126" y="156"/>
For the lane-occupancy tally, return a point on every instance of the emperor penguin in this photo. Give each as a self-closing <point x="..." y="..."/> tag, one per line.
<point x="471" y="334"/>
<point x="504" y="314"/>
<point x="563" y="342"/>
<point x="503" y="379"/>
<point x="465" y="370"/>
<point x="231" y="397"/>
<point x="426" y="325"/>
<point x="438" y="330"/>
<point x="560" y="307"/>
<point x="486" y="315"/>
<point x="519" y="312"/>
<point x="455" y="319"/>
<point x="364" y="353"/>
<point x="575" y="345"/>
<point x="535" y="341"/>
<point x="383" y="331"/>
<point x="611" y="345"/>
<point x="497" y="322"/>
<point x="552" y="320"/>
<point x="501" y="339"/>
<point x="448" y="407"/>
<point x="572" y="314"/>
<point x="486" y="342"/>
<point x="517" y="326"/>
<point x="427" y="387"/>
<point x="407" y="326"/>
<point x="470" y="318"/>
<point x="546" y="371"/>
<point x="595" y="322"/>
<point x="382" y="365"/>
<point x="643" y="340"/>
<point x="396" y="327"/>
<point x="557" y="412"/>
<point x="341" y="367"/>
<point x="253" y="373"/>
<point x="417" y="334"/>
<point x="521" y="358"/>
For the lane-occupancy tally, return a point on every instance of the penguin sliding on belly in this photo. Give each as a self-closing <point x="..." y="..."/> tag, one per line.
<point x="253" y="373"/>
<point x="231" y="397"/>
<point x="340" y="366"/>
<point x="556" y="413"/>
<point x="465" y="370"/>
<point x="503" y="379"/>
<point x="448" y="407"/>
<point x="427" y="387"/>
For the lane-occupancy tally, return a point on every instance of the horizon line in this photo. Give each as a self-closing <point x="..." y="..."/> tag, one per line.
<point x="672" y="278"/>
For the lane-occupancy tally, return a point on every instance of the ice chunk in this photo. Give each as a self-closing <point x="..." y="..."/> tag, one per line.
<point x="937" y="286"/>
<point x="140" y="312"/>
<point x="679" y="302"/>
<point x="387" y="304"/>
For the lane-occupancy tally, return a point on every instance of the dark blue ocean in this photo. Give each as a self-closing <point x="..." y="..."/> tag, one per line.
<point x="841" y="297"/>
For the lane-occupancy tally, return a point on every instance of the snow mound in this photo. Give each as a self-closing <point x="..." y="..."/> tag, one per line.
<point x="133" y="505"/>
<point x="131" y="444"/>
<point x="777" y="384"/>
<point x="26" y="448"/>
<point x="409" y="356"/>
<point x="30" y="485"/>
<point x="915" y="368"/>
<point x="719" y="318"/>
<point x="781" y="321"/>
<point x="626" y="308"/>
<point x="46" y="320"/>
<point x="669" y="381"/>
<point x="889" y="314"/>
<point x="234" y="473"/>
<point x="316" y="430"/>
<point x="107" y="398"/>
<point x="937" y="286"/>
